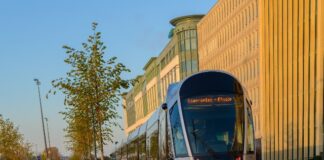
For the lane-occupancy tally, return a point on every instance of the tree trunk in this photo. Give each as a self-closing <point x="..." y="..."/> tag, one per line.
<point x="101" y="143"/>
<point x="94" y="134"/>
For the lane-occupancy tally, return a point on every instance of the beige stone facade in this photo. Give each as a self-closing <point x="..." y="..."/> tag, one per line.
<point x="275" y="48"/>
<point x="292" y="78"/>
<point x="228" y="40"/>
<point x="178" y="59"/>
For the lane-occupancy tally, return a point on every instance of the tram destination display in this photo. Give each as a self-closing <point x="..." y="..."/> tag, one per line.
<point x="210" y="100"/>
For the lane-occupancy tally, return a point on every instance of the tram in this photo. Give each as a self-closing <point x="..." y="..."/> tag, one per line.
<point x="206" y="116"/>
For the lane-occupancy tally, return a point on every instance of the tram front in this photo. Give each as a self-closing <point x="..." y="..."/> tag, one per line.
<point x="214" y="119"/>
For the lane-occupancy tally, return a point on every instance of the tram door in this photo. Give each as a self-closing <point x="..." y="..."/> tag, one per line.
<point x="163" y="150"/>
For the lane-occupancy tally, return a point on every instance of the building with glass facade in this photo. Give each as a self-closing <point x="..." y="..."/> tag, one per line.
<point x="178" y="59"/>
<point x="275" y="48"/>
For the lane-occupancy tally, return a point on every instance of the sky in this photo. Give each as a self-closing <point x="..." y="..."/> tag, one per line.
<point x="33" y="32"/>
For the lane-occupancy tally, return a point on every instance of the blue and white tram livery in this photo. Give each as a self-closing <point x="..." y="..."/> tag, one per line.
<point x="206" y="116"/>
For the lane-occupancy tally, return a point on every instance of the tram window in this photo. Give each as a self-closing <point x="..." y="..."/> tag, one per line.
<point x="141" y="147"/>
<point x="177" y="133"/>
<point x="124" y="152"/>
<point x="250" y="133"/>
<point x="250" y="138"/>
<point x="132" y="150"/>
<point x="152" y="141"/>
<point x="118" y="154"/>
<point x="154" y="146"/>
<point x="215" y="129"/>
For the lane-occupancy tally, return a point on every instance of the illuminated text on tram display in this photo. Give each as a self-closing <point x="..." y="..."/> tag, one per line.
<point x="209" y="100"/>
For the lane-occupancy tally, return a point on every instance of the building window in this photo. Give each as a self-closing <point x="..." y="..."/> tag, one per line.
<point x="187" y="40"/>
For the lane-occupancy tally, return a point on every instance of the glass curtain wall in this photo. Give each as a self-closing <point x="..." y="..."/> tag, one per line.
<point x="188" y="52"/>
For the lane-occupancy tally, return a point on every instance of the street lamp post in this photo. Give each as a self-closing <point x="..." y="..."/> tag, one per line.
<point x="48" y="133"/>
<point x="42" y="117"/>
<point x="48" y="137"/>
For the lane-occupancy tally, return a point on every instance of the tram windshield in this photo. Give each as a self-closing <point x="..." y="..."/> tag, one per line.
<point x="215" y="125"/>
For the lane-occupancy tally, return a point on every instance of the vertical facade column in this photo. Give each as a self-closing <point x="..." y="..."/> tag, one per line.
<point x="300" y="56"/>
<point x="263" y="117"/>
<point x="319" y="57"/>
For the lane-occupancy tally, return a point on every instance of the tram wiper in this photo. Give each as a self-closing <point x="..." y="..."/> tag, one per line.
<point x="194" y="134"/>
